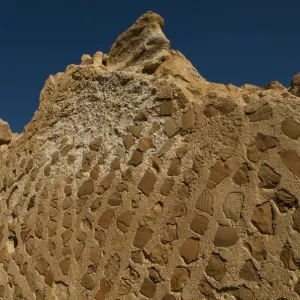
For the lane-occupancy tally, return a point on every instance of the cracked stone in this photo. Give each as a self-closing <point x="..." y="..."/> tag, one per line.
<point x="124" y="220"/>
<point x="218" y="172"/>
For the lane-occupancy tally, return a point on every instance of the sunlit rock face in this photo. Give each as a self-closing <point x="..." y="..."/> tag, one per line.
<point x="138" y="179"/>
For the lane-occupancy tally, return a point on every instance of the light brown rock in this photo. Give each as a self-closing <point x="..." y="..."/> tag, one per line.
<point x="269" y="178"/>
<point x="199" y="224"/>
<point x="218" y="172"/>
<point x="292" y="160"/>
<point x="148" y="288"/>
<point x="179" y="279"/>
<point x="225" y="236"/>
<point x="5" y="133"/>
<point x="170" y="127"/>
<point x="291" y="128"/>
<point x="146" y="184"/>
<point x="216" y="267"/>
<point x="142" y="237"/>
<point x="189" y="250"/>
<point x="262" y="218"/>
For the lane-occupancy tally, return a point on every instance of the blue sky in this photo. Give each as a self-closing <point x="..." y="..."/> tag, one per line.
<point x="228" y="41"/>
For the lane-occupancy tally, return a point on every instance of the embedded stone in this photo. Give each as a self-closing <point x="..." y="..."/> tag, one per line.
<point x="253" y="153"/>
<point x="241" y="176"/>
<point x="226" y="153"/>
<point x="292" y="160"/>
<point x="296" y="219"/>
<point x="265" y="142"/>
<point x="297" y="288"/>
<point x="42" y="266"/>
<point x="136" y="158"/>
<point x="248" y="272"/>
<point x="262" y="114"/>
<point x="210" y="111"/>
<point x="112" y="268"/>
<point x="106" y="218"/>
<point x="115" y="199"/>
<point x="189" y="250"/>
<point x="295" y="85"/>
<point x="243" y="293"/>
<point x="86" y="188"/>
<point x="67" y="221"/>
<point x="142" y="115"/>
<point x="226" y="236"/>
<point x="291" y="128"/>
<point x="107" y="180"/>
<point x="216" y="267"/>
<point x="115" y="164"/>
<point x="167" y="108"/>
<point x="178" y="210"/>
<point x="181" y="151"/>
<point x="199" y="224"/>
<point x="124" y="220"/>
<point x="137" y="257"/>
<point x="168" y="297"/>
<point x="144" y="144"/>
<point x="156" y="164"/>
<point x="218" y="172"/>
<point x="285" y="201"/>
<point x="179" y="279"/>
<point x="269" y="178"/>
<point x="49" y="278"/>
<point x="154" y="275"/>
<point x="205" y="289"/>
<point x="262" y="218"/>
<point x="68" y="190"/>
<point x="170" y="127"/>
<point x="155" y="127"/>
<point x="159" y="255"/>
<point x="174" y="168"/>
<point x="205" y="202"/>
<point x="87" y="282"/>
<point x="287" y="257"/>
<point x="65" y="266"/>
<point x="169" y="233"/>
<point x="165" y="147"/>
<point x="146" y="184"/>
<point x="135" y="130"/>
<point x="256" y="247"/>
<point x="232" y="206"/>
<point x="188" y="120"/>
<point x="166" y="93"/>
<point x="148" y="288"/>
<point x="78" y="249"/>
<point x="105" y="287"/>
<point x="142" y="236"/>
<point x="128" y="141"/>
<point x="95" y="255"/>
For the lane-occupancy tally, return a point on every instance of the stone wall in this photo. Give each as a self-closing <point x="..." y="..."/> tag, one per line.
<point x="138" y="179"/>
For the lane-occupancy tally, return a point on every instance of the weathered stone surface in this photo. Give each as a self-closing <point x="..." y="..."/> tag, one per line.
<point x="148" y="288"/>
<point x="179" y="279"/>
<point x="199" y="224"/>
<point x="241" y="175"/>
<point x="167" y="186"/>
<point x="232" y="206"/>
<point x="265" y="142"/>
<point x="106" y="218"/>
<point x="295" y="85"/>
<point x="262" y="218"/>
<point x="243" y="293"/>
<point x="174" y="168"/>
<point x="144" y="144"/>
<point x="154" y="275"/>
<point x="128" y="141"/>
<point x="287" y="257"/>
<point x="129" y="51"/>
<point x="146" y="184"/>
<point x="205" y="202"/>
<point x="256" y="247"/>
<point x="87" y="282"/>
<point x="225" y="236"/>
<point x="218" y="172"/>
<point x="292" y="160"/>
<point x="296" y="219"/>
<point x="205" y="289"/>
<point x="136" y="158"/>
<point x="291" y="128"/>
<point x="86" y="188"/>
<point x="112" y="268"/>
<point x="285" y="201"/>
<point x="5" y="133"/>
<point x="178" y="210"/>
<point x="170" y="127"/>
<point x="189" y="250"/>
<point x="262" y="114"/>
<point x="188" y="120"/>
<point x="142" y="237"/>
<point x="167" y="108"/>
<point x="253" y="153"/>
<point x="216" y="267"/>
<point x="42" y="266"/>
<point x="269" y="178"/>
<point x="248" y="272"/>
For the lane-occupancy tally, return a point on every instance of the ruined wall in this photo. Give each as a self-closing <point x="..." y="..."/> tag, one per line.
<point x="138" y="179"/>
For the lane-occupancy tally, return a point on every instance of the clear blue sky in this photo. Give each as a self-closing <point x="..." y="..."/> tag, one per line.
<point x="228" y="41"/>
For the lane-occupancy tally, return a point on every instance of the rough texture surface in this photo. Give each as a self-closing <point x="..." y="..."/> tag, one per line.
<point x="138" y="179"/>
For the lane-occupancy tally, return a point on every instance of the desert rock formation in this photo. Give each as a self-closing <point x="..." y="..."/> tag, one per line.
<point x="138" y="179"/>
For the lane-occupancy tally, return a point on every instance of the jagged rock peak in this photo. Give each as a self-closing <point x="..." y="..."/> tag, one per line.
<point x="142" y="47"/>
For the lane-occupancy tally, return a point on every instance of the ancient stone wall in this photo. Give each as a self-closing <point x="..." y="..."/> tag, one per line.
<point x="138" y="179"/>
